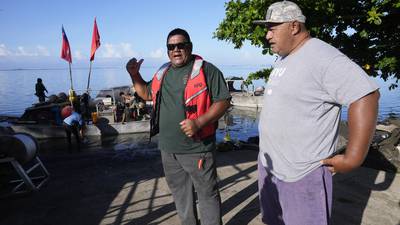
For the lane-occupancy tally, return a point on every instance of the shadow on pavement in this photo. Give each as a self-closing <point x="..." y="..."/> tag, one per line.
<point x="107" y="183"/>
<point x="352" y="191"/>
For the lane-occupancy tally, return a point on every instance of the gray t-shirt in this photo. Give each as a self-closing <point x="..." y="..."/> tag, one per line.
<point x="302" y="104"/>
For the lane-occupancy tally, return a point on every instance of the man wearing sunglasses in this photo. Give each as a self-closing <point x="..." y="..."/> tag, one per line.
<point x="189" y="96"/>
<point x="310" y="82"/>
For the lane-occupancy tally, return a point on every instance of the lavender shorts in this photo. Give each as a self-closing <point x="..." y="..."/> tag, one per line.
<point x="305" y="202"/>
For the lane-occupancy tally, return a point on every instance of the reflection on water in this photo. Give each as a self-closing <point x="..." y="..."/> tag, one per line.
<point x="239" y="123"/>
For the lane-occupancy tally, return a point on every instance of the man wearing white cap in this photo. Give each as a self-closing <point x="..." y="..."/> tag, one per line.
<point x="306" y="90"/>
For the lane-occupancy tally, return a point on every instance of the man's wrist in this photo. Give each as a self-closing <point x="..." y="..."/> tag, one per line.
<point x="135" y="76"/>
<point x="197" y="123"/>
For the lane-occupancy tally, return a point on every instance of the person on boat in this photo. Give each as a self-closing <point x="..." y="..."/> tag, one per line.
<point x="136" y="106"/>
<point x="73" y="124"/>
<point x="299" y="121"/>
<point x="40" y="89"/>
<point x="189" y="95"/>
<point x="139" y="107"/>
<point x="123" y="107"/>
<point x="128" y="99"/>
<point x="85" y="109"/>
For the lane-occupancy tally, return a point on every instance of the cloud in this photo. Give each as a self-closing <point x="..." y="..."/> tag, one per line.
<point x="78" y="55"/>
<point x="109" y="51"/>
<point x="157" y="54"/>
<point x="4" y="51"/>
<point x="42" y="51"/>
<point x="22" y="51"/>
<point x="117" y="51"/>
<point x="127" y="50"/>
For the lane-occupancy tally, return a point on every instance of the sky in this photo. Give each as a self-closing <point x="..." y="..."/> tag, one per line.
<point x="30" y="32"/>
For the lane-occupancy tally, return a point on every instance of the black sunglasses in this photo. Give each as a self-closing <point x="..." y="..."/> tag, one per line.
<point x="181" y="45"/>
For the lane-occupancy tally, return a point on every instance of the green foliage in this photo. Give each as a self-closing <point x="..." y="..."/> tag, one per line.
<point x="261" y="74"/>
<point x="374" y="16"/>
<point x="237" y="28"/>
<point x="368" y="31"/>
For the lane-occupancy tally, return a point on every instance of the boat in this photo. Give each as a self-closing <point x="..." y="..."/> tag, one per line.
<point x="242" y="98"/>
<point x="246" y="100"/>
<point x="101" y="128"/>
<point x="44" y="121"/>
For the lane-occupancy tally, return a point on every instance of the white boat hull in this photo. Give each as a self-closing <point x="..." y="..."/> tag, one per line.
<point x="44" y="131"/>
<point x="245" y="100"/>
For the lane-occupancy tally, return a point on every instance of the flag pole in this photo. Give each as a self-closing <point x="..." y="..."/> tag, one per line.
<point x="70" y="76"/>
<point x="71" y="91"/>
<point x="88" y="81"/>
<point x="95" y="45"/>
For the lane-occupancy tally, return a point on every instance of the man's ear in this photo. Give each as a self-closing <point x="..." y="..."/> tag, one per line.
<point x="295" y="27"/>
<point x="191" y="47"/>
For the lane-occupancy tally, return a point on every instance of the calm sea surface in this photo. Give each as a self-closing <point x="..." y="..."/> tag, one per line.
<point x="17" y="89"/>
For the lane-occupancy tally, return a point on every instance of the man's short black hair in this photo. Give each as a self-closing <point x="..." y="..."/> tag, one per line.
<point x="179" y="31"/>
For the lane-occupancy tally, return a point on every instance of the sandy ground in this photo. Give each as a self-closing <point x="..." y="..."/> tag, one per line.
<point x="100" y="187"/>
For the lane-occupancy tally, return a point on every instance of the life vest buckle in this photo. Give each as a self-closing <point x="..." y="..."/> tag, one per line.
<point x="191" y="108"/>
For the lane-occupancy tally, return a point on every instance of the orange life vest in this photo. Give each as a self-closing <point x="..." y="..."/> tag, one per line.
<point x="196" y="96"/>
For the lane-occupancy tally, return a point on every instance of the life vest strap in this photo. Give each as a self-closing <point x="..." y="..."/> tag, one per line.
<point x="162" y="70"/>
<point x="195" y="95"/>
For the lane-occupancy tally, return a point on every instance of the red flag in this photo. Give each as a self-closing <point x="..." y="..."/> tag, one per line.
<point x="65" y="49"/>
<point x="95" y="40"/>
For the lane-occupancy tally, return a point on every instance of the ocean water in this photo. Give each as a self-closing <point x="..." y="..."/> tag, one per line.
<point x="17" y="89"/>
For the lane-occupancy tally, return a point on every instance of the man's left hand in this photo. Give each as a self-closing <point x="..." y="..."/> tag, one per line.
<point x="338" y="164"/>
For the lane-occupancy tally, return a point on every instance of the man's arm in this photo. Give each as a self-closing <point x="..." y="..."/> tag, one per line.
<point x="133" y="67"/>
<point x="362" y="118"/>
<point x="216" y="110"/>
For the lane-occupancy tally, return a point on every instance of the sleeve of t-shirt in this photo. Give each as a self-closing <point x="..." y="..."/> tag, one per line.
<point x="346" y="82"/>
<point x="216" y="83"/>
